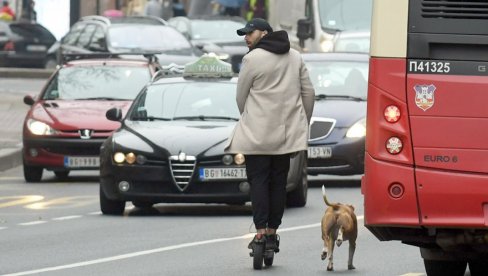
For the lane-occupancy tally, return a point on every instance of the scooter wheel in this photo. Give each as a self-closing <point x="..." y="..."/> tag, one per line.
<point x="258" y="255"/>
<point x="268" y="257"/>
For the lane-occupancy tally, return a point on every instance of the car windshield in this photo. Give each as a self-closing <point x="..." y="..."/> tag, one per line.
<point x="187" y="101"/>
<point x="339" y="78"/>
<point x="147" y="37"/>
<point x="345" y="14"/>
<point x="206" y="30"/>
<point x="97" y="82"/>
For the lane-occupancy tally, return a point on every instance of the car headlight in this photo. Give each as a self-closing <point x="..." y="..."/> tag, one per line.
<point x="130" y="158"/>
<point x="39" y="128"/>
<point x="239" y="159"/>
<point x="357" y="130"/>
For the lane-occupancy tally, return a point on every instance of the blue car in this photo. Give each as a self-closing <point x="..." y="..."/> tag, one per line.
<point x="338" y="127"/>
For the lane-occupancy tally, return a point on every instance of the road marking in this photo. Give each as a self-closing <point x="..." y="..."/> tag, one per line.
<point x="413" y="274"/>
<point x="32" y="223"/>
<point x="156" y="250"/>
<point x="1" y="228"/>
<point x="67" y="217"/>
<point x="95" y="213"/>
<point x="19" y="200"/>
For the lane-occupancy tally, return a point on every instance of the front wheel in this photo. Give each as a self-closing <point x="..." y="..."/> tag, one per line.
<point x="110" y="207"/>
<point x="444" y="268"/>
<point x="258" y="255"/>
<point x="32" y="173"/>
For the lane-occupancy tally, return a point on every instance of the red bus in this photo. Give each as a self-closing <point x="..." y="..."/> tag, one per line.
<point x="426" y="161"/>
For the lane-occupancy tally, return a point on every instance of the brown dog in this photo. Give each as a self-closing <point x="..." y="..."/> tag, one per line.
<point x="339" y="224"/>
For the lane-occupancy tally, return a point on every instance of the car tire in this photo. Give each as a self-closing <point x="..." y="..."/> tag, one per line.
<point x="61" y="174"/>
<point x="442" y="268"/>
<point x="32" y="173"/>
<point x="298" y="197"/>
<point x="110" y="207"/>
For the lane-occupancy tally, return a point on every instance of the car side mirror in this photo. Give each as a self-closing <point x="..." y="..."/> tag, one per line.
<point x="304" y="30"/>
<point x="28" y="100"/>
<point x="114" y="114"/>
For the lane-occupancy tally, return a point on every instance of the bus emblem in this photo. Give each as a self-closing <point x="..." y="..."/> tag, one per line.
<point x="424" y="96"/>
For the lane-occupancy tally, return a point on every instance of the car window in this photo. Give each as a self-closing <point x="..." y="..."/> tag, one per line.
<point x="86" y="82"/>
<point x="348" y="78"/>
<point x="146" y="37"/>
<point x="216" y="29"/>
<point x="86" y="35"/>
<point x="188" y="99"/>
<point x="97" y="40"/>
<point x="73" y="34"/>
<point x="32" y="31"/>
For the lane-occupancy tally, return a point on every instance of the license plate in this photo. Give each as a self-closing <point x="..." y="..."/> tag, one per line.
<point x="319" y="152"/>
<point x="36" y="48"/>
<point x="222" y="173"/>
<point x="81" y="162"/>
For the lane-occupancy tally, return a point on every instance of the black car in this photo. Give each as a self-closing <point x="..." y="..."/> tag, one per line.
<point x="337" y="132"/>
<point x="24" y="44"/>
<point x="215" y="34"/>
<point x="170" y="146"/>
<point x="93" y="34"/>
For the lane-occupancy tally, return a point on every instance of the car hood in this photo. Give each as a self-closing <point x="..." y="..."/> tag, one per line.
<point x="190" y="137"/>
<point x="68" y="115"/>
<point x="345" y="112"/>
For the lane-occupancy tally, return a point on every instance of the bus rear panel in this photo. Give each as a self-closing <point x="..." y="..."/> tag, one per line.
<point x="426" y="162"/>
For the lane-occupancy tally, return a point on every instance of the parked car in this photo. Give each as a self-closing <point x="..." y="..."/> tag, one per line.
<point x="92" y="34"/>
<point x="215" y="34"/>
<point x="338" y="126"/>
<point x="24" y="44"/>
<point x="170" y="146"/>
<point x="66" y="125"/>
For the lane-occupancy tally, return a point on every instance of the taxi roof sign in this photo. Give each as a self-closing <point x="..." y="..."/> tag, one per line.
<point x="208" y="66"/>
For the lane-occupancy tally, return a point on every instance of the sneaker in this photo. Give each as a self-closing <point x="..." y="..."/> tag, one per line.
<point x="258" y="239"/>
<point x="273" y="242"/>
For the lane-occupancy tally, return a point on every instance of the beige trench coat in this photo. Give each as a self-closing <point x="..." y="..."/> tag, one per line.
<point x="275" y="98"/>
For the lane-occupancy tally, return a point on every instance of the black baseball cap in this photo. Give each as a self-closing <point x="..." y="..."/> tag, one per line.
<point x="255" y="24"/>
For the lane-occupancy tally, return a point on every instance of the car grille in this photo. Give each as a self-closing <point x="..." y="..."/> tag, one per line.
<point x="182" y="170"/>
<point x="320" y="128"/>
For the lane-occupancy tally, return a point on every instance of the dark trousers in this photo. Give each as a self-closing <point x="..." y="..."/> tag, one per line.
<point x="268" y="175"/>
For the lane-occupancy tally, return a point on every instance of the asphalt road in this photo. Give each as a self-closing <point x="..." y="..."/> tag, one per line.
<point x="56" y="228"/>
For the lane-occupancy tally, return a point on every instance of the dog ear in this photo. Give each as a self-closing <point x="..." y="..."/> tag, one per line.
<point x="352" y="207"/>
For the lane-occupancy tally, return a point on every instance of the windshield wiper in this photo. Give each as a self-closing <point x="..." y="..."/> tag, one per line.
<point x="102" y="98"/>
<point x="324" y="96"/>
<point x="205" y="118"/>
<point x="150" y="118"/>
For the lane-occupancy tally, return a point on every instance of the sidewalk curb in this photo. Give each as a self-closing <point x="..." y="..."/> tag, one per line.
<point x="10" y="158"/>
<point x="31" y="73"/>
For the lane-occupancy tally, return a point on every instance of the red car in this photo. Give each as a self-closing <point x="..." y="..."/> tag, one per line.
<point x="66" y="124"/>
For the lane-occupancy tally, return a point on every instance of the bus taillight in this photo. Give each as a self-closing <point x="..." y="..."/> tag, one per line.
<point x="396" y="190"/>
<point x="392" y="114"/>
<point x="394" y="145"/>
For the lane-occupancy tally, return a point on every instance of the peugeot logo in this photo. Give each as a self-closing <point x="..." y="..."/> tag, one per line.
<point x="85" y="133"/>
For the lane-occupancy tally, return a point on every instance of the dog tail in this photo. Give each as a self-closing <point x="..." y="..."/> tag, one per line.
<point x="334" y="205"/>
